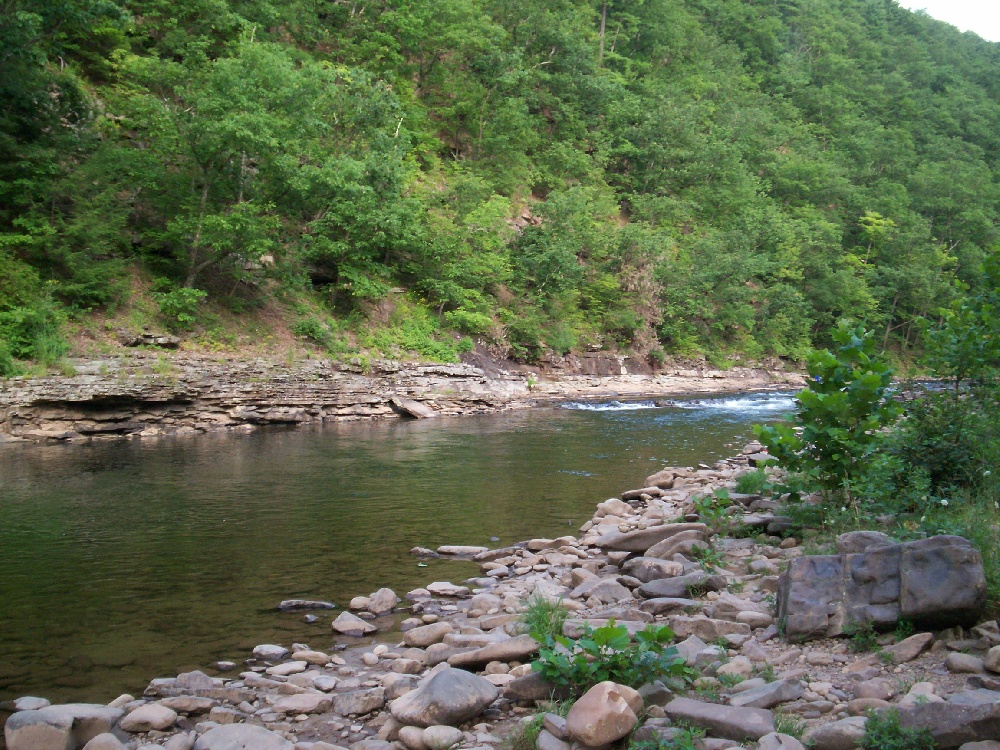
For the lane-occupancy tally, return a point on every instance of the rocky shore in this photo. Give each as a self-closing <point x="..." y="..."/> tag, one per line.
<point x="760" y="622"/>
<point x="150" y="394"/>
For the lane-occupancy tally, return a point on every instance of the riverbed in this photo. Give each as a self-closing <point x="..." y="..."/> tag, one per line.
<point x="124" y="561"/>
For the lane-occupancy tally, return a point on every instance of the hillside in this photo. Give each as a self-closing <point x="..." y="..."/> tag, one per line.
<point x="658" y="177"/>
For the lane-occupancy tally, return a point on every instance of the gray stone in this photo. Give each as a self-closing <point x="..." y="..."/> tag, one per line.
<point x="984" y="745"/>
<point x="452" y="696"/>
<point x="547" y="741"/>
<point x="992" y="659"/>
<point x="270" y="652"/>
<point x="302" y="703"/>
<point x="513" y="649"/>
<point x="685" y="543"/>
<point x="909" y="648"/>
<point x="963" y="663"/>
<point x="977" y="697"/>
<point x="34" y="730"/>
<point x="532" y="688"/>
<point x="953" y="725"/>
<point x="844" y="734"/>
<point x="348" y="624"/>
<point x="412" y="408"/>
<point x="706" y="628"/>
<point x="936" y="581"/>
<point x="149" y="717"/>
<point x="382" y="602"/>
<point x="88" y="719"/>
<point x="106" y="741"/>
<point x="241" y="737"/>
<point x="441" y="737"/>
<point x="31" y="703"/>
<point x="427" y="635"/>
<point x="855" y="542"/>
<point x="769" y="695"/>
<point x="359" y="702"/>
<point x="775" y="741"/>
<point x="291" y="605"/>
<point x="648" y="569"/>
<point x="641" y="540"/>
<point x="729" y="722"/>
<point x="669" y="605"/>
<point x="680" y="587"/>
<point x="602" y="715"/>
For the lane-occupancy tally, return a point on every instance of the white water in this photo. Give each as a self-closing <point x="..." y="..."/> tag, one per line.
<point x="755" y="403"/>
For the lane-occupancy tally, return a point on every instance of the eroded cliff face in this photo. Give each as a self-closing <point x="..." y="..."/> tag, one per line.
<point x="148" y="394"/>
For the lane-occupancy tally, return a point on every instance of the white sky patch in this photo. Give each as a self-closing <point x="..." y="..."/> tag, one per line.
<point x="979" y="16"/>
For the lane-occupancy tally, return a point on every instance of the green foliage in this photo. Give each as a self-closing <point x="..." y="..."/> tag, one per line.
<point x="883" y="732"/>
<point x="543" y="619"/>
<point x="179" y="306"/>
<point x="862" y="638"/>
<point x="790" y="725"/>
<point x="841" y="411"/>
<point x="608" y="653"/>
<point x="712" y="509"/>
<point x="684" y="738"/>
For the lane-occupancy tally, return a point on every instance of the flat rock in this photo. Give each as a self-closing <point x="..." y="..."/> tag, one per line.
<point x="412" y="408"/>
<point x="88" y="719"/>
<point x="359" y="702"/>
<point x="441" y="737"/>
<point x="706" y="628"/>
<point x="451" y="697"/>
<point x="461" y="550"/>
<point x="513" y="649"/>
<point x="670" y="605"/>
<point x="33" y="730"/>
<point x="426" y="635"/>
<point x="532" y="688"/>
<point x="769" y="695"/>
<point x="241" y="737"/>
<point x="270" y="652"/>
<point x="297" y="604"/>
<point x="775" y="741"/>
<point x="106" y="741"/>
<point x="728" y="722"/>
<point x="680" y="587"/>
<point x="910" y="648"/>
<point x="303" y="703"/>
<point x="444" y="588"/>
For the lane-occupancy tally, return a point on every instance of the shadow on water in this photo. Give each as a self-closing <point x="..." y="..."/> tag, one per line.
<point x="124" y="561"/>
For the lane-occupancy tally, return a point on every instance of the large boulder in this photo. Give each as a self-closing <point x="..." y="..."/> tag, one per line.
<point x="241" y="737"/>
<point x="935" y="582"/>
<point x="513" y="649"/>
<point x="86" y="719"/>
<point x="952" y="724"/>
<point x="34" y="730"/>
<point x="603" y="715"/>
<point x="149" y="717"/>
<point x="452" y="697"/>
<point x="845" y="734"/>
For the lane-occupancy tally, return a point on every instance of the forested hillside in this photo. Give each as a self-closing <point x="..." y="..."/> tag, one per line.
<point x="650" y="176"/>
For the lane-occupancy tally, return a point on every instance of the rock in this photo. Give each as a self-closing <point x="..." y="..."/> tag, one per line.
<point x="953" y="725"/>
<point x="963" y="663"/>
<point x="412" y="408"/>
<point x="287" y="669"/>
<point x="31" y="703"/>
<point x="348" y="624"/>
<point x="451" y="697"/>
<point x="34" y="730"/>
<point x="382" y="602"/>
<point x="316" y="658"/>
<point x="289" y="605"/>
<point x="87" y="719"/>
<point x="977" y="697"/>
<point x="775" y="741"/>
<point x="605" y="591"/>
<point x="680" y="587"/>
<point x="412" y="738"/>
<point x="241" y="737"/>
<point x="427" y="635"/>
<point x="909" y="648"/>
<point x="532" y="688"/>
<point x="738" y="666"/>
<point x="845" y="734"/>
<point x="303" y="703"/>
<point x="728" y="722"/>
<point x="705" y="628"/>
<point x="359" y="702"/>
<point x="441" y="737"/>
<point x="650" y="568"/>
<point x="601" y="716"/>
<point x="855" y="542"/>
<point x="106" y="741"/>
<point x="149" y="717"/>
<point x="992" y="659"/>
<point x="935" y="581"/>
<point x="769" y="695"/>
<point x="444" y="588"/>
<point x="881" y="689"/>
<point x="270" y="652"/>
<point x="685" y="543"/>
<point x="641" y="540"/>
<point x="669" y="605"/>
<point x="862" y="706"/>
<point x="547" y="741"/>
<point x="984" y="745"/>
<point x="513" y="649"/>
<point x="555" y="725"/>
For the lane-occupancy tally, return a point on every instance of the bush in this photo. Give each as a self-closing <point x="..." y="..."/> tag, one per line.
<point x="751" y="483"/>
<point x="178" y="306"/>
<point x="608" y="653"/>
<point x="841" y="413"/>
<point x="883" y="732"/>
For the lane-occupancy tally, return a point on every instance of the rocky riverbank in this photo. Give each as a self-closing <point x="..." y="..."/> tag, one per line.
<point x="447" y="667"/>
<point x="151" y="394"/>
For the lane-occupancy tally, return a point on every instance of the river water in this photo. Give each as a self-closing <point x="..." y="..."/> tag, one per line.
<point x="124" y="561"/>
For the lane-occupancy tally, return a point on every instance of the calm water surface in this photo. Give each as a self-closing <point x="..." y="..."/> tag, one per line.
<point x="120" y="562"/>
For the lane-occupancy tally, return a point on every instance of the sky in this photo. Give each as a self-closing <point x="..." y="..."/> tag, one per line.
<point x="980" y="16"/>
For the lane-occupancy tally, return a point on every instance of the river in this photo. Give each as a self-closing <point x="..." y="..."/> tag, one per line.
<point x="124" y="561"/>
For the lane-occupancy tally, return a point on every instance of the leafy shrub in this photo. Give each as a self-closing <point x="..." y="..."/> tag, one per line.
<point x="608" y="653"/>
<point x="179" y="306"/>
<point x="840" y="415"/>
<point x="883" y="732"/>
<point x="312" y="329"/>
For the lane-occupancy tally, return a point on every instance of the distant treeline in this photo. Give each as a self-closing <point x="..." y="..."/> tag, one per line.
<point x="654" y="176"/>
